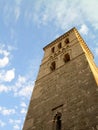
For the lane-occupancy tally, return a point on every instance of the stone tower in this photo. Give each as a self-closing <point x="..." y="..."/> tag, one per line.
<point x="65" y="96"/>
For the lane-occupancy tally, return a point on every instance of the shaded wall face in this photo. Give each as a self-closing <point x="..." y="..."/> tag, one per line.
<point x="70" y="90"/>
<point x="61" y="55"/>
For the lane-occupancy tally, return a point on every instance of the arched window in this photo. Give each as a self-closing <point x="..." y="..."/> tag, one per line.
<point x="53" y="66"/>
<point x="52" y="49"/>
<point x="66" y="57"/>
<point x="59" y="45"/>
<point x="67" y="40"/>
<point x="57" y="121"/>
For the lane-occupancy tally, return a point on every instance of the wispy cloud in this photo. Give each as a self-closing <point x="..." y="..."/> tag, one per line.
<point x="17" y="13"/>
<point x="23" y="104"/>
<point x="23" y="111"/>
<point x="84" y="29"/>
<point x="10" y="75"/>
<point x="16" y="127"/>
<point x="2" y="124"/>
<point x="5" y="111"/>
<point x="7" y="76"/>
<point x="96" y="51"/>
<point x="25" y="90"/>
<point x="4" y="60"/>
<point x="11" y="9"/>
<point x="63" y="13"/>
<point x="16" y="123"/>
<point x="22" y="86"/>
<point x="5" y="54"/>
<point x="4" y="88"/>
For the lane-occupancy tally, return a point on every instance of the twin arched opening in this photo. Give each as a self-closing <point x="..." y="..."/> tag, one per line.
<point x="66" y="58"/>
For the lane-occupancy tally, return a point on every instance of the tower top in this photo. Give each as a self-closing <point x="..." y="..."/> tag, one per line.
<point x="66" y="35"/>
<point x="65" y="94"/>
<point x="72" y="43"/>
<point x="59" y="38"/>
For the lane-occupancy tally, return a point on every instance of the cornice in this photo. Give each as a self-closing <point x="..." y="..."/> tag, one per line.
<point x="83" y="44"/>
<point x="59" y="38"/>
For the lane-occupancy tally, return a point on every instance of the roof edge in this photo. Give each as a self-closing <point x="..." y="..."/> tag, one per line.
<point x="60" y="37"/>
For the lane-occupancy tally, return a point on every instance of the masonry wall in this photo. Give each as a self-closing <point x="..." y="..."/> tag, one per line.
<point x="69" y="89"/>
<point x="72" y="90"/>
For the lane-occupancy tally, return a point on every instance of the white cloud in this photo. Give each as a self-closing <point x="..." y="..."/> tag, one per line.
<point x="5" y="60"/>
<point x="16" y="127"/>
<point x="5" y="52"/>
<point x="7" y="76"/>
<point x="11" y="12"/>
<point x="10" y="75"/>
<point x="11" y="121"/>
<point x="4" y="111"/>
<point x="84" y="29"/>
<point x="23" y="111"/>
<point x="20" y="83"/>
<point x="18" y="2"/>
<point x="96" y="51"/>
<point x="15" y="123"/>
<point x="21" y="80"/>
<point x="90" y="9"/>
<point x="25" y="91"/>
<point x="4" y="88"/>
<point x="64" y="14"/>
<point x="2" y="124"/>
<point x="23" y="104"/>
<point x="17" y="12"/>
<point x="23" y="87"/>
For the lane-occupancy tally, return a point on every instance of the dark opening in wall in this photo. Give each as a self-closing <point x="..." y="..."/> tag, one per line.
<point x="53" y="66"/>
<point x="67" y="41"/>
<point x="57" y="121"/>
<point x="66" y="57"/>
<point x="52" y="49"/>
<point x="59" y="45"/>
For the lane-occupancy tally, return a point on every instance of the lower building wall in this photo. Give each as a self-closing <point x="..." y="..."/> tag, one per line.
<point x="71" y="91"/>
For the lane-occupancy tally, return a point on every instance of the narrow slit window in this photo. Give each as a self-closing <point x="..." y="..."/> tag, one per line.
<point x="53" y="66"/>
<point x="66" y="57"/>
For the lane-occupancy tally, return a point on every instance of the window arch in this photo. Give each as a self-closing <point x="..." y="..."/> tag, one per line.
<point x="66" y="57"/>
<point x="53" y="66"/>
<point x="59" y="45"/>
<point x="57" y="121"/>
<point x="52" y="49"/>
<point x="67" y="40"/>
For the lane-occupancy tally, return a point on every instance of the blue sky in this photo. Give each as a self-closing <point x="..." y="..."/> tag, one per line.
<point x="26" y="26"/>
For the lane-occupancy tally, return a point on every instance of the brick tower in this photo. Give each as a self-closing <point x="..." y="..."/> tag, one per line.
<point x="65" y="96"/>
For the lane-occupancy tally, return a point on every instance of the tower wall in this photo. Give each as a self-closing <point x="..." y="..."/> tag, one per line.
<point x="69" y="89"/>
